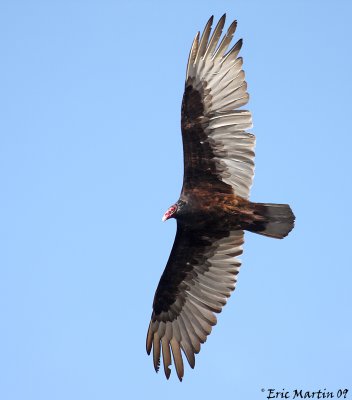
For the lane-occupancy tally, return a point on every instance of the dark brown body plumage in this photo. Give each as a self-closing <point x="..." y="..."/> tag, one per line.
<point x="214" y="208"/>
<point x="202" y="209"/>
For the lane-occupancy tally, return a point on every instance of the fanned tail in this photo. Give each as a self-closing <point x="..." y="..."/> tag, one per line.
<point x="276" y="220"/>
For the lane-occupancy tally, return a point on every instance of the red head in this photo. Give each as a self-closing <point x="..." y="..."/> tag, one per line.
<point x="170" y="213"/>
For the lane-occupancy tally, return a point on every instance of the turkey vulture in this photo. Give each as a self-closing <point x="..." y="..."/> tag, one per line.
<point x="213" y="209"/>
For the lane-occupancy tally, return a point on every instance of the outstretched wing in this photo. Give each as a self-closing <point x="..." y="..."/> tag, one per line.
<point x="200" y="275"/>
<point x="218" y="152"/>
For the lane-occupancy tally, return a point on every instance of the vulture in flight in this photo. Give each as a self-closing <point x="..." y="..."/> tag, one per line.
<point x="213" y="209"/>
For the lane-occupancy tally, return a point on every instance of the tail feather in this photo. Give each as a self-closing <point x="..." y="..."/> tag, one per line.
<point x="277" y="220"/>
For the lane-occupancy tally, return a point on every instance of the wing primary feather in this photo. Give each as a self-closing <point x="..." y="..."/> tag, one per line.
<point x="176" y="331"/>
<point x="186" y="343"/>
<point x="214" y="40"/>
<point x="176" y="353"/>
<point x="192" y="55"/>
<point x="149" y="340"/>
<point x="191" y="333"/>
<point x="233" y="52"/>
<point x="188" y="350"/>
<point x="161" y="329"/>
<point x="156" y="352"/>
<point x="226" y="40"/>
<point x="204" y="40"/>
<point x="168" y="331"/>
<point x="166" y="356"/>
<point x="183" y="330"/>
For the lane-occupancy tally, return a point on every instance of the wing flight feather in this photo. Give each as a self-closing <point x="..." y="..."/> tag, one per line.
<point x="188" y="295"/>
<point x="215" y="88"/>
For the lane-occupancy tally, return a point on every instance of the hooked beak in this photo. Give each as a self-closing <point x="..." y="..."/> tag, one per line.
<point x="169" y="213"/>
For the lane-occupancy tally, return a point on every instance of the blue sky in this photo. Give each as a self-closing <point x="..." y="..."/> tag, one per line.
<point x="91" y="157"/>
